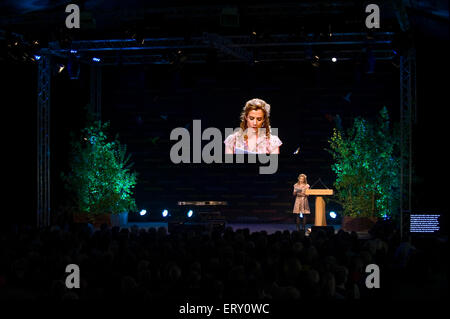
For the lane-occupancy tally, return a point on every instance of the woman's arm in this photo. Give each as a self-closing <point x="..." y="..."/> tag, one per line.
<point x="230" y="143"/>
<point x="275" y="144"/>
<point x="306" y="188"/>
<point x="228" y="150"/>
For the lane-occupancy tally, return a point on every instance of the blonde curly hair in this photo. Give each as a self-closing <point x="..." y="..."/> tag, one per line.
<point x="302" y="175"/>
<point x="254" y="105"/>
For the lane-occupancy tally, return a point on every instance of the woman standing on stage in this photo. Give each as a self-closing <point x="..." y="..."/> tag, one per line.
<point x="254" y="135"/>
<point x="301" y="205"/>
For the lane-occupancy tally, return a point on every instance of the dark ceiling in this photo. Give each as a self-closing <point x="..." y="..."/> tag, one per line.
<point x="32" y="25"/>
<point x="113" y="18"/>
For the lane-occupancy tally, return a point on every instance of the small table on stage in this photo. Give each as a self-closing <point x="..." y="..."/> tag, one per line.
<point x="207" y="208"/>
<point x="207" y="219"/>
<point x="203" y="203"/>
<point x="320" y="219"/>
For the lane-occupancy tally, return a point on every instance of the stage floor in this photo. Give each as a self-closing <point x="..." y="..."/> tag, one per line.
<point x="270" y="228"/>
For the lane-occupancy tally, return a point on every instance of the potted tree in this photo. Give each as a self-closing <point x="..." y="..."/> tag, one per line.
<point x="366" y="164"/>
<point x="100" y="178"/>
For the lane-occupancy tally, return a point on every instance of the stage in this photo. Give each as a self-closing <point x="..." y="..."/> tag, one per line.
<point x="269" y="228"/>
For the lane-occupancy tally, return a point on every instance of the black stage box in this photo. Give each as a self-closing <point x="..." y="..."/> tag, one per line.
<point x="329" y="230"/>
<point x="196" y="226"/>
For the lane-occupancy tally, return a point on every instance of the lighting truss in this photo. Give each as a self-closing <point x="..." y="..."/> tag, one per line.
<point x="278" y="47"/>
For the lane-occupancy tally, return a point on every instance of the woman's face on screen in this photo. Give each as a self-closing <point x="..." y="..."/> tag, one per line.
<point x="255" y="119"/>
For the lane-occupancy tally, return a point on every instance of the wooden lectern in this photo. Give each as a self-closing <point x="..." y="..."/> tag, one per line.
<point x="320" y="219"/>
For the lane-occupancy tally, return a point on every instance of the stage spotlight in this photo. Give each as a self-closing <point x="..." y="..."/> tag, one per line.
<point x="333" y="59"/>
<point x="190" y="213"/>
<point x="73" y="51"/>
<point x="315" y="61"/>
<point x="139" y="38"/>
<point x="165" y="213"/>
<point x="37" y="57"/>
<point x="96" y="59"/>
<point x="142" y="212"/>
<point x="333" y="215"/>
<point x="61" y="68"/>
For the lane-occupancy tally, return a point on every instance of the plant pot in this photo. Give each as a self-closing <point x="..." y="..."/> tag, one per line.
<point x="357" y="224"/>
<point x="80" y="218"/>
<point x="96" y="220"/>
<point x="119" y="220"/>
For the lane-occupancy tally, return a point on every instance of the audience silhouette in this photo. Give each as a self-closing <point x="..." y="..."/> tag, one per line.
<point x="143" y="264"/>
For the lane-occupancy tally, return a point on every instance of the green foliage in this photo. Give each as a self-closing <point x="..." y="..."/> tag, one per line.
<point x="100" y="175"/>
<point x="367" y="164"/>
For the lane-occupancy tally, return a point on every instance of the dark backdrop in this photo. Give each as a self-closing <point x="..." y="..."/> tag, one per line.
<point x="144" y="103"/>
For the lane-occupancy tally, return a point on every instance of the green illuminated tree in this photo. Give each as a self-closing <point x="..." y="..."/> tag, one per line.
<point x="100" y="176"/>
<point x="366" y="164"/>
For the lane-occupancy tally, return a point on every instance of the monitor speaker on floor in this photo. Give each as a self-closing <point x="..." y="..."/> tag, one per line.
<point x="196" y="226"/>
<point x="329" y="230"/>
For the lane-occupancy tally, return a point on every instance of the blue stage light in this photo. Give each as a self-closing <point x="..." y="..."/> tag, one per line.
<point x="96" y="59"/>
<point x="143" y="212"/>
<point x="165" y="213"/>
<point x="333" y="215"/>
<point x="190" y="213"/>
<point x="73" y="51"/>
<point x="37" y="57"/>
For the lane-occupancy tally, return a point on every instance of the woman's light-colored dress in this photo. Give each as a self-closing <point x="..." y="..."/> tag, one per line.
<point x="301" y="205"/>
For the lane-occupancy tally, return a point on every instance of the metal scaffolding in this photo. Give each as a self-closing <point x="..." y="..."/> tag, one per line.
<point x="408" y="116"/>
<point x="238" y="48"/>
<point x="96" y="91"/>
<point x="43" y="142"/>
